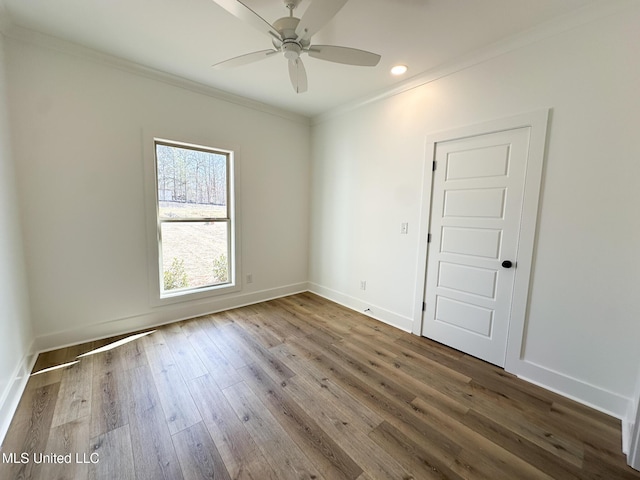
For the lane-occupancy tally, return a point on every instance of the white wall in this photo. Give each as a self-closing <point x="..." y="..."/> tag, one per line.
<point x="76" y="132"/>
<point x="16" y="334"/>
<point x="583" y="327"/>
<point x="77" y="135"/>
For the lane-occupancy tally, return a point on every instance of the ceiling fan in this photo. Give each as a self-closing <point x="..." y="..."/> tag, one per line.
<point x="292" y="36"/>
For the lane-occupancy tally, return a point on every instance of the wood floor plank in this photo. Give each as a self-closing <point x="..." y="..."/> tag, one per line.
<point x="132" y="354"/>
<point x="330" y="459"/>
<point x="281" y="309"/>
<point x="258" y="329"/>
<point x="416" y="457"/>
<point x="432" y="350"/>
<point x="216" y="364"/>
<point x="478" y="456"/>
<point x="321" y="387"/>
<point x="269" y="362"/>
<point x="114" y="456"/>
<point x="423" y="381"/>
<point x="522" y="447"/>
<point x="391" y="407"/>
<point x="298" y="388"/>
<point x="589" y="429"/>
<point x="238" y="450"/>
<point x="539" y="433"/>
<point x="311" y="322"/>
<point x="218" y="319"/>
<point x="281" y="327"/>
<point x="597" y="468"/>
<point x="228" y="344"/>
<point x="74" y="396"/>
<point x="427" y="370"/>
<point x="180" y="411"/>
<point x="153" y="450"/>
<point x="348" y="432"/>
<point x="504" y="385"/>
<point x="70" y="440"/>
<point x="372" y="343"/>
<point x="198" y="455"/>
<point x="459" y="397"/>
<point x="369" y="372"/>
<point x="108" y="409"/>
<point x="187" y="360"/>
<point x="282" y="453"/>
<point x="29" y="432"/>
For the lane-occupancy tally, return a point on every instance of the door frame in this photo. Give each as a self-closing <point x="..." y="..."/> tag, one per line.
<point x="537" y="121"/>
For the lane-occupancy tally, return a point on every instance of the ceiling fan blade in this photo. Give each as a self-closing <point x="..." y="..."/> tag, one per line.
<point x="298" y="75"/>
<point x="244" y="13"/>
<point x="346" y="55"/>
<point x="317" y="15"/>
<point x="244" y="59"/>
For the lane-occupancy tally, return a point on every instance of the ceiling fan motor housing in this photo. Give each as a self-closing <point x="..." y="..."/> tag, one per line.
<point x="286" y="27"/>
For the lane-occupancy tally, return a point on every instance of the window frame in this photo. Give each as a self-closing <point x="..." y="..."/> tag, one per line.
<point x="158" y="296"/>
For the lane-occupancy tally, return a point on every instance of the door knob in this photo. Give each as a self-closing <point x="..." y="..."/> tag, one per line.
<point x="507" y="264"/>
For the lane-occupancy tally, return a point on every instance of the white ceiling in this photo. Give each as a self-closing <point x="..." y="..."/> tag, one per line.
<point x="185" y="37"/>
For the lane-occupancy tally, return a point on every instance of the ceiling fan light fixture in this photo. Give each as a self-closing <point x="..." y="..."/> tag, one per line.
<point x="399" y="70"/>
<point x="291" y="50"/>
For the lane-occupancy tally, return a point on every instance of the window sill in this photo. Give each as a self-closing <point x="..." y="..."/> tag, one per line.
<point x="204" y="293"/>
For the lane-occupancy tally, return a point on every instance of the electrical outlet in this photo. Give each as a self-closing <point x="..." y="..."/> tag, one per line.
<point x="404" y="228"/>
<point x="363" y="284"/>
<point x="249" y="277"/>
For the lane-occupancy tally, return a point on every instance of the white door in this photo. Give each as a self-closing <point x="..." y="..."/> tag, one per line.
<point x="477" y="200"/>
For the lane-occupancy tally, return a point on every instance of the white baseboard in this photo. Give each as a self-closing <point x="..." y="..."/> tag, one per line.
<point x="10" y="398"/>
<point x="373" y="311"/>
<point x="582" y="392"/>
<point x="160" y="316"/>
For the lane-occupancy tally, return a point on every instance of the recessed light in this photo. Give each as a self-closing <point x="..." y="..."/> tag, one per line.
<point x="399" y="69"/>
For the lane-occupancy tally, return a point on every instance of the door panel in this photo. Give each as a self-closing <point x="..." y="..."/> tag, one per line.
<point x="467" y="279"/>
<point x="488" y="203"/>
<point x="475" y="242"/>
<point x="480" y="162"/>
<point x="466" y="316"/>
<point x="477" y="198"/>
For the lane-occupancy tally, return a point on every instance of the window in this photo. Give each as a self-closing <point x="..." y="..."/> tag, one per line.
<point x="195" y="219"/>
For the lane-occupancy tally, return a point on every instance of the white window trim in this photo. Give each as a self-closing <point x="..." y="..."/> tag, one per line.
<point x="156" y="297"/>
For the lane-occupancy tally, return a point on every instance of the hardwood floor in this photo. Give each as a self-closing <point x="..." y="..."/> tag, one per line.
<point x="296" y="388"/>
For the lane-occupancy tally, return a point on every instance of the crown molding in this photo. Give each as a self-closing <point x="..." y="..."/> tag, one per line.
<point x="15" y="32"/>
<point x="575" y="19"/>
